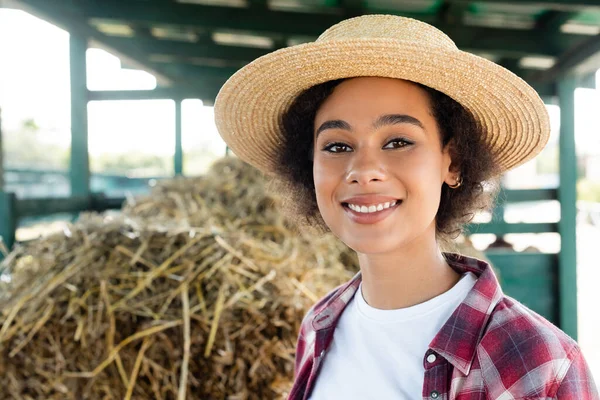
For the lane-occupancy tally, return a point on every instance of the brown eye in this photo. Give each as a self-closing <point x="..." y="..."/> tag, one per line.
<point x="397" y="144"/>
<point x="337" y="148"/>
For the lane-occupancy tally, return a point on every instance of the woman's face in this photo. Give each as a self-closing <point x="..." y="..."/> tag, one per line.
<point x="377" y="148"/>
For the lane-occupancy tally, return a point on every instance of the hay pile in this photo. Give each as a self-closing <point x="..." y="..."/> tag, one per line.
<point x="195" y="292"/>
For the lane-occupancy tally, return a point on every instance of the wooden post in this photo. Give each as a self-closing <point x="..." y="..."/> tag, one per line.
<point x="567" y="195"/>
<point x="178" y="144"/>
<point x="80" y="168"/>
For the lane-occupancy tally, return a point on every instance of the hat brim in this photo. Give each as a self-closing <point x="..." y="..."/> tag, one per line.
<point x="249" y="106"/>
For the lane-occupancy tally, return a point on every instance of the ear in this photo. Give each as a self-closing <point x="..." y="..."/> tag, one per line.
<point x="450" y="170"/>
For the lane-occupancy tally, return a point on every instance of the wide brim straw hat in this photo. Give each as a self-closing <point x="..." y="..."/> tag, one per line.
<point x="249" y="107"/>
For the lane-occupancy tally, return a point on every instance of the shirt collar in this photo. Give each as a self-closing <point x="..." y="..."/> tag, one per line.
<point x="471" y="315"/>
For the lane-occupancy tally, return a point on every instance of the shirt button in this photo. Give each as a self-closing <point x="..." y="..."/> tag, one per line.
<point x="434" y="394"/>
<point x="431" y="358"/>
<point x="322" y="353"/>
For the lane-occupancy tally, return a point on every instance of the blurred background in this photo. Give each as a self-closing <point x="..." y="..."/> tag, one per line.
<point x="101" y="100"/>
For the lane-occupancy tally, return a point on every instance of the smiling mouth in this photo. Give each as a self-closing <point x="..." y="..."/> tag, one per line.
<point x="373" y="208"/>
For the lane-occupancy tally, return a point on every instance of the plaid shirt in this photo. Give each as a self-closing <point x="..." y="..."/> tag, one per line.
<point x="492" y="347"/>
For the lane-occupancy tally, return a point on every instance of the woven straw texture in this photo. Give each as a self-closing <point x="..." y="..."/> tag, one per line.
<point x="249" y="106"/>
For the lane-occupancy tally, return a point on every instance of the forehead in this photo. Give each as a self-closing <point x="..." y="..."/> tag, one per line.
<point x="374" y="95"/>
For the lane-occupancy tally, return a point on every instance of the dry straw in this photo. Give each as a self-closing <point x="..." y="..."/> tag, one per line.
<point x="195" y="292"/>
<point x="249" y="106"/>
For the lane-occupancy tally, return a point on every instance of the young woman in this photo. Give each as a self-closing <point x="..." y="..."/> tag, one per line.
<point x="386" y="134"/>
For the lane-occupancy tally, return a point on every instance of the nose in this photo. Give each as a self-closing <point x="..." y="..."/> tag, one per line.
<point x="366" y="167"/>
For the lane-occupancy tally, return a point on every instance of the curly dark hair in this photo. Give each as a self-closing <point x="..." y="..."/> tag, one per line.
<point x="458" y="129"/>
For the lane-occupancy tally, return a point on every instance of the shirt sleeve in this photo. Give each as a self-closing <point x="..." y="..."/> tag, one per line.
<point x="578" y="383"/>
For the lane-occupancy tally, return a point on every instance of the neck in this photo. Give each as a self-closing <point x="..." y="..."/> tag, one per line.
<point x="411" y="275"/>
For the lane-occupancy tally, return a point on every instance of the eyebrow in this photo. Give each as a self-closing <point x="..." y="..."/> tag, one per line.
<point x="334" y="124"/>
<point x="397" y="119"/>
<point x="388" y="119"/>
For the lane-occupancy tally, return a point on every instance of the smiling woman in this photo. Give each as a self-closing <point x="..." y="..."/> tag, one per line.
<point x="386" y="134"/>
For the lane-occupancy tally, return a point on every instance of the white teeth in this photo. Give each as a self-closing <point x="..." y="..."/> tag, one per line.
<point x="371" y="209"/>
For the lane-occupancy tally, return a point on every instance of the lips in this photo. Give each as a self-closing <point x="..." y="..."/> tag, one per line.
<point x="370" y="217"/>
<point x="369" y="199"/>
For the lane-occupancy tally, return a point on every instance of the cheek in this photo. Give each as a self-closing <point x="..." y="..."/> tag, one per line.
<point x="327" y="178"/>
<point x="424" y="168"/>
<point x="422" y="179"/>
<point x="323" y="178"/>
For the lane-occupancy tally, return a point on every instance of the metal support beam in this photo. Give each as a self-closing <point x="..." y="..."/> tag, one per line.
<point x="260" y="4"/>
<point x="567" y="194"/>
<point x="175" y="93"/>
<point x="353" y="8"/>
<point x="563" y="5"/>
<point x="511" y="43"/>
<point x="500" y="228"/>
<point x="581" y="60"/>
<point x="1" y="156"/>
<point x="8" y="218"/>
<point x="525" y="195"/>
<point x="37" y="207"/>
<point x="277" y="23"/>
<point x="214" y="17"/>
<point x="178" y="143"/>
<point x="155" y="94"/>
<point x="452" y="13"/>
<point x="234" y="55"/>
<point x="552" y="20"/>
<point x="201" y="73"/>
<point x="80" y="168"/>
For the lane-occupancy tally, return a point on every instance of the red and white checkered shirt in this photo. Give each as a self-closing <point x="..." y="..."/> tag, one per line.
<point x="492" y="347"/>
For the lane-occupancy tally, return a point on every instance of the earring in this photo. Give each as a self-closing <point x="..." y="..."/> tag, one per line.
<point x="459" y="181"/>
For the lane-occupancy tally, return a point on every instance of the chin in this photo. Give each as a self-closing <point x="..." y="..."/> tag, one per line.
<point x="373" y="245"/>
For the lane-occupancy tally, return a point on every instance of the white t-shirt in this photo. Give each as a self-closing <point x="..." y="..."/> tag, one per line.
<point x="378" y="354"/>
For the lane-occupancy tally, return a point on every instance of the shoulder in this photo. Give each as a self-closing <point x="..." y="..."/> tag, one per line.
<point x="523" y="354"/>
<point x="511" y="320"/>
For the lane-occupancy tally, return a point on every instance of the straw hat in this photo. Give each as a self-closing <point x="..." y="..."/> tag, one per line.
<point x="249" y="107"/>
